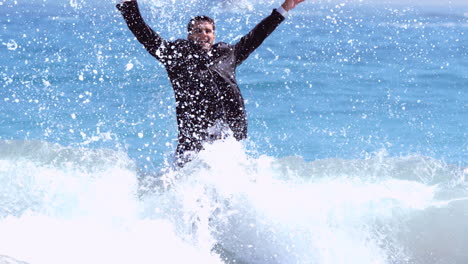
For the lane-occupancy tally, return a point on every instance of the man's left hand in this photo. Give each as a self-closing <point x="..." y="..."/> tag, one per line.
<point x="290" y="4"/>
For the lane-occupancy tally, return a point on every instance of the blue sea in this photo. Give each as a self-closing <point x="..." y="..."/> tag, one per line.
<point x="357" y="148"/>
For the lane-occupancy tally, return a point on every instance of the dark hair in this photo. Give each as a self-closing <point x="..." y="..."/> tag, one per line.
<point x="198" y="19"/>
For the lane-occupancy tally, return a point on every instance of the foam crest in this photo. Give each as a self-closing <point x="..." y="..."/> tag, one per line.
<point x="267" y="210"/>
<point x="40" y="239"/>
<point x="74" y="211"/>
<point x="226" y="206"/>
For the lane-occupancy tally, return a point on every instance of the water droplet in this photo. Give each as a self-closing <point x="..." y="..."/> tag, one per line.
<point x="129" y="66"/>
<point x="11" y="45"/>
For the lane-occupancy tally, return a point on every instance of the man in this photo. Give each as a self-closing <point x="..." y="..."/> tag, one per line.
<point x="203" y="74"/>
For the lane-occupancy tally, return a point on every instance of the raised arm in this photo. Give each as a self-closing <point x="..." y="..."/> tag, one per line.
<point x="153" y="43"/>
<point x="261" y="31"/>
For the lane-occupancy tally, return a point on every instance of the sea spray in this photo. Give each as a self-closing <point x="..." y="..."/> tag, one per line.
<point x="267" y="210"/>
<point x="65" y="205"/>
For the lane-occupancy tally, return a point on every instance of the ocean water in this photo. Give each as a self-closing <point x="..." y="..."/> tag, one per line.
<point x="357" y="149"/>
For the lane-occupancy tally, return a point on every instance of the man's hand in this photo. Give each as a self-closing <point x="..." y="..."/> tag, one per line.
<point x="290" y="4"/>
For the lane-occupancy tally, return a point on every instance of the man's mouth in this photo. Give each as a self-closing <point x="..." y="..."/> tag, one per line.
<point x="205" y="44"/>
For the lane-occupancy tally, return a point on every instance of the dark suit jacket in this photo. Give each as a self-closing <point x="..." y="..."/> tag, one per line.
<point x="204" y="82"/>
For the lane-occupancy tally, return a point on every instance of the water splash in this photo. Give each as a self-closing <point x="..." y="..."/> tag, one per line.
<point x="227" y="205"/>
<point x="11" y="45"/>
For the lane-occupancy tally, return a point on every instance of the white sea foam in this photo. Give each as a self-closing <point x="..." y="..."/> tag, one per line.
<point x="68" y="205"/>
<point x="63" y="205"/>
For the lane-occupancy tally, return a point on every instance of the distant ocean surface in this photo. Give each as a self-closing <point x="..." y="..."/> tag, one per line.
<point x="357" y="149"/>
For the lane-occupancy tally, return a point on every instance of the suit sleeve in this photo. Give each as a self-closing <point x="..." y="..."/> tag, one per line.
<point x="256" y="36"/>
<point x="152" y="41"/>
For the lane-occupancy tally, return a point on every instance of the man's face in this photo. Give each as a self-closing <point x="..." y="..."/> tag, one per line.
<point x="202" y="34"/>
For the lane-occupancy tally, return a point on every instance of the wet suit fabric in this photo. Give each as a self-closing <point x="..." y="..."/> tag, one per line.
<point x="204" y="82"/>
